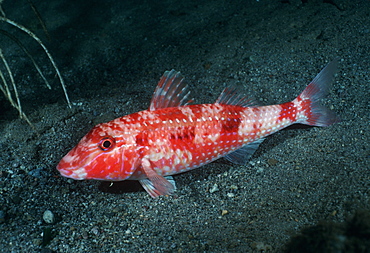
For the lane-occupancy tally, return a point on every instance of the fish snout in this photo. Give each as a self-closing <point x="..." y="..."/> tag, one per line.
<point x="66" y="169"/>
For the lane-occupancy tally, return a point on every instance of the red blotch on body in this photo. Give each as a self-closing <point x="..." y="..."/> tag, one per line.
<point x="232" y="120"/>
<point x="183" y="134"/>
<point x="288" y="111"/>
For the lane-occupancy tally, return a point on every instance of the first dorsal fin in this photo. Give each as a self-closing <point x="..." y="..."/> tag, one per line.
<point x="171" y="91"/>
<point x="232" y="95"/>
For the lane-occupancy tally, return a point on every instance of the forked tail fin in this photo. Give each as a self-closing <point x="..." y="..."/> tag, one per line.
<point x="313" y="112"/>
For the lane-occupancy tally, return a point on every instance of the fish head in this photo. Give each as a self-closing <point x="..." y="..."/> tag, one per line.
<point x="99" y="155"/>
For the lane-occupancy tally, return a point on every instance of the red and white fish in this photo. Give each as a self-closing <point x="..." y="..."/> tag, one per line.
<point x="172" y="136"/>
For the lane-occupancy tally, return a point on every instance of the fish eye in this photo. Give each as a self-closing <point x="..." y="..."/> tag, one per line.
<point x="107" y="143"/>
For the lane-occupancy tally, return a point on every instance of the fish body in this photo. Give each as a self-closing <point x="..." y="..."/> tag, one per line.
<point x="173" y="136"/>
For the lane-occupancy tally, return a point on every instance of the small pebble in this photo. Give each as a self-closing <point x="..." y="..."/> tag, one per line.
<point x="224" y="212"/>
<point x="48" y="217"/>
<point x="37" y="242"/>
<point x="95" y="230"/>
<point x="260" y="246"/>
<point x="233" y="187"/>
<point x="272" y="161"/>
<point x="214" y="188"/>
<point x="37" y="173"/>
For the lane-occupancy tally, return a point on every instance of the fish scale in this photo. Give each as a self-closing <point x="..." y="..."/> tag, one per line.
<point x="173" y="136"/>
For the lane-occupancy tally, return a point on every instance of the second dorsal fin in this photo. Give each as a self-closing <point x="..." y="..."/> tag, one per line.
<point x="171" y="91"/>
<point x="232" y="95"/>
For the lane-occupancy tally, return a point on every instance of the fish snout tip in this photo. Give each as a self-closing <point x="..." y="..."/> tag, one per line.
<point x="63" y="171"/>
<point x="66" y="170"/>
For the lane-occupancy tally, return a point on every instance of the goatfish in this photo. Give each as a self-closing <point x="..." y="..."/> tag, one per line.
<point x="174" y="136"/>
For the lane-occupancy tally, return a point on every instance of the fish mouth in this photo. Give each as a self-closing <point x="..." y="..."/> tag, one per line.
<point x="65" y="173"/>
<point x="77" y="174"/>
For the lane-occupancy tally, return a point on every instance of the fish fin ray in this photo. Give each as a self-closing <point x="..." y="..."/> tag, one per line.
<point x="171" y="91"/>
<point x="315" y="114"/>
<point x="243" y="154"/>
<point x="232" y="95"/>
<point x="155" y="184"/>
<point x="172" y="181"/>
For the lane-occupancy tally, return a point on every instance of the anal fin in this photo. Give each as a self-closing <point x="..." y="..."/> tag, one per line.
<point x="243" y="154"/>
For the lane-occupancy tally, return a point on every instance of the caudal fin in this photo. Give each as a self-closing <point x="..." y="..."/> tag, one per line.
<point x="313" y="112"/>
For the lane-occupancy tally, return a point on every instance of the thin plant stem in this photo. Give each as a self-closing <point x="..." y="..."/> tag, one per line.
<point x="39" y="18"/>
<point x="24" y="29"/>
<point x="13" y="83"/>
<point x="20" y="44"/>
<point x="7" y="93"/>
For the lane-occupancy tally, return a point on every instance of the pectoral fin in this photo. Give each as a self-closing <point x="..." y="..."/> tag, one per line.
<point x="155" y="184"/>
